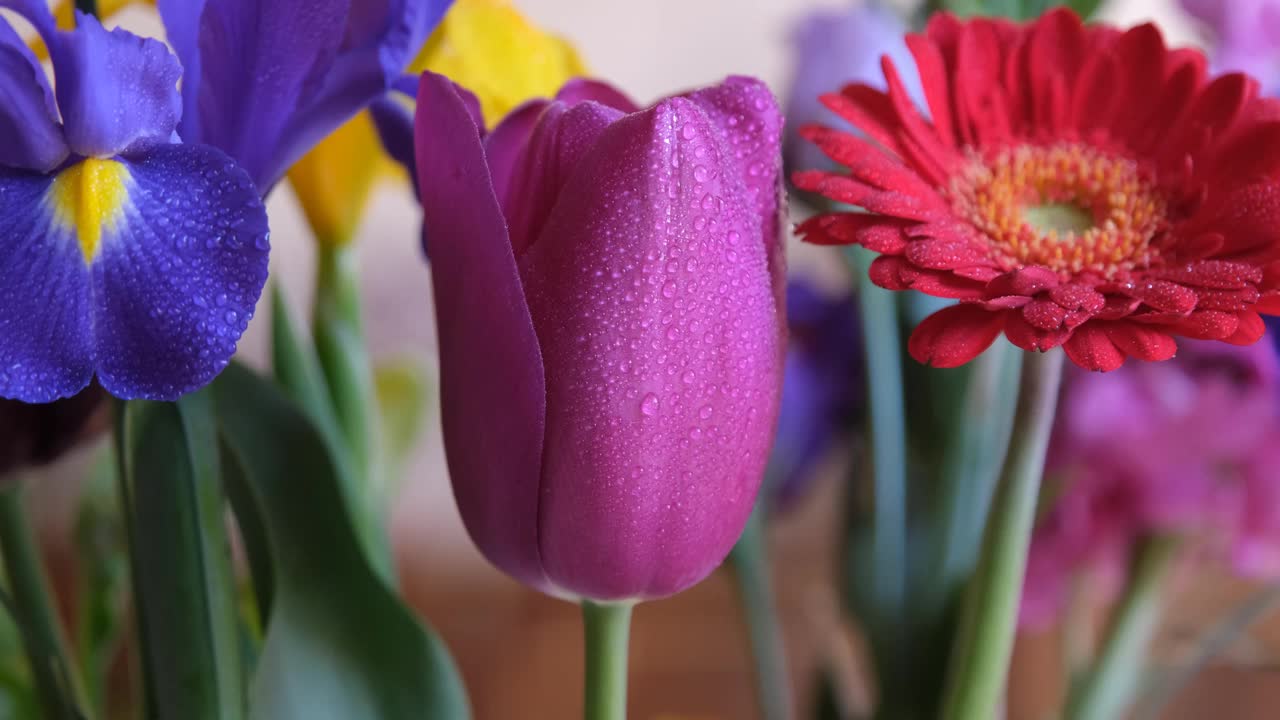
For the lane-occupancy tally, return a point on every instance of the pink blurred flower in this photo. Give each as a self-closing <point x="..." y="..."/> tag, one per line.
<point x="608" y="287"/>
<point x="1188" y="446"/>
<point x="1246" y="36"/>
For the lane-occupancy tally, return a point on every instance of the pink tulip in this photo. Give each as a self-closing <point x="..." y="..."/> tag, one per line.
<point x="608" y="287"/>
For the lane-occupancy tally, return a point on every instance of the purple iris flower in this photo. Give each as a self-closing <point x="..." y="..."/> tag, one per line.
<point x="283" y="74"/>
<point x="832" y="49"/>
<point x="822" y="392"/>
<point x="122" y="253"/>
<point x="127" y="254"/>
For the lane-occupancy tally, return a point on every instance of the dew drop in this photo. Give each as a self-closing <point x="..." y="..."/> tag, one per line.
<point x="649" y="405"/>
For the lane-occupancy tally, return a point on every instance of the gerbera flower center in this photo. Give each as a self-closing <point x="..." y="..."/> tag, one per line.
<point x="1068" y="207"/>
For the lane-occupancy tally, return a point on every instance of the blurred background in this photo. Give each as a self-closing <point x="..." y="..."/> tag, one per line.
<point x="521" y="652"/>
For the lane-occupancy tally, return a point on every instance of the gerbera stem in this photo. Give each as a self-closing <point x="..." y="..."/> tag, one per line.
<point x="878" y="311"/>
<point x="1105" y="691"/>
<point x="750" y="563"/>
<point x="607" y="628"/>
<point x="984" y="643"/>
<point x="33" y="608"/>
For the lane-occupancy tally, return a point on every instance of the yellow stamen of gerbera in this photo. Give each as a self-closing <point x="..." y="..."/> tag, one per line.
<point x="89" y="198"/>
<point x="1069" y="207"/>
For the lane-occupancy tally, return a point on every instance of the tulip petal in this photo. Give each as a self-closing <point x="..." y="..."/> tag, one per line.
<point x="46" y="333"/>
<point x="557" y="143"/>
<point x="177" y="278"/>
<point x="580" y="90"/>
<point x="505" y="145"/>
<point x="493" y="398"/>
<point x="651" y="293"/>
<point x="747" y="113"/>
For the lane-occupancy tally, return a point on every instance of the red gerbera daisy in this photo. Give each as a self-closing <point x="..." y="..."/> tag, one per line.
<point x="1076" y="186"/>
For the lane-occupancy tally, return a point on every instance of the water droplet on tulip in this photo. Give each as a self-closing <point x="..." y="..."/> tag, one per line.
<point x="705" y="412"/>
<point x="649" y="405"/>
<point x="668" y="289"/>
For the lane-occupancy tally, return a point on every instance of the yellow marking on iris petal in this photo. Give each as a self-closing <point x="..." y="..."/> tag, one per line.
<point x="89" y="198"/>
<point x="488" y="47"/>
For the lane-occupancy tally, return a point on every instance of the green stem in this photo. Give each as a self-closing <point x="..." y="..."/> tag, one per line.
<point x="888" y="432"/>
<point x="348" y="372"/>
<point x="1107" y="688"/>
<point x="607" y="628"/>
<point x="970" y="466"/>
<point x="984" y="645"/>
<point x="58" y="687"/>
<point x="750" y="563"/>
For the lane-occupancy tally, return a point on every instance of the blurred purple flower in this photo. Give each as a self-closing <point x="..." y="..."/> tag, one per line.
<point x="834" y="48"/>
<point x="1188" y="446"/>
<point x="822" y="389"/>
<point x="1246" y="36"/>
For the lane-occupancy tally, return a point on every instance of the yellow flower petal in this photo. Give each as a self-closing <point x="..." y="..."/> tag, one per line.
<point x="491" y="49"/>
<point x="64" y="14"/>
<point x="333" y="182"/>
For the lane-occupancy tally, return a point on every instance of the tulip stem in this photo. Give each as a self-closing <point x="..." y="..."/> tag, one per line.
<point x="607" y="628"/>
<point x="984" y="643"/>
<point x="33" y="608"/>
<point x="1107" y="688"/>
<point x="750" y="564"/>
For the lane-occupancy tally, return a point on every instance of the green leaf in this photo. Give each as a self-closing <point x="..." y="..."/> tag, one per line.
<point x="339" y="644"/>
<point x="296" y="368"/>
<point x="344" y="360"/>
<point x="183" y="584"/>
<point x="403" y="390"/>
<point x="103" y="568"/>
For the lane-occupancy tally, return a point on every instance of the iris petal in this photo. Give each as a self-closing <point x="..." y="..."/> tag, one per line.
<point x="290" y="71"/>
<point x="28" y="115"/>
<point x="176" y="282"/>
<point x="46" y="335"/>
<point x="272" y="59"/>
<point x="118" y="92"/>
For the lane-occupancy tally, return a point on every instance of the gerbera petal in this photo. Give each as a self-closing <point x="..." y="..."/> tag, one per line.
<point x="955" y="335"/>
<point x="1142" y="342"/>
<point x="1029" y="337"/>
<point x="502" y="403"/>
<point x="46" y="329"/>
<point x="28" y="115"/>
<point x="1092" y="348"/>
<point x="1250" y="329"/>
<point x="937" y="91"/>
<point x="178" y="271"/>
